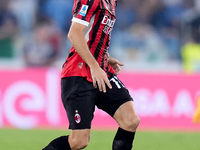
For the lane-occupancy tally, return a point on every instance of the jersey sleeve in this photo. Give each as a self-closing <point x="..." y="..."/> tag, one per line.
<point x="83" y="10"/>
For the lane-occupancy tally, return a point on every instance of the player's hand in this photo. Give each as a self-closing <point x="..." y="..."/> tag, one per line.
<point x="100" y="79"/>
<point x="115" y="64"/>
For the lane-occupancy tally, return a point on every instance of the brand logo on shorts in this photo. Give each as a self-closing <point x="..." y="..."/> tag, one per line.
<point x="77" y="117"/>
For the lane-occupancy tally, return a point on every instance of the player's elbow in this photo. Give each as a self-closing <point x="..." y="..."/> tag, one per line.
<point x="70" y="36"/>
<point x="73" y="36"/>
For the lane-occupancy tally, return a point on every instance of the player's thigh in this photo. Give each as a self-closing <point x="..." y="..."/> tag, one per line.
<point x="126" y="117"/>
<point x="113" y="98"/>
<point x="78" y="97"/>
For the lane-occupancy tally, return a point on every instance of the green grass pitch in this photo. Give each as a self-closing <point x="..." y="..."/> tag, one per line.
<point x="13" y="139"/>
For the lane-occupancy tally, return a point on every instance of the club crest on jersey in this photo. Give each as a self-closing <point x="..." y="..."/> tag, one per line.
<point x="83" y="10"/>
<point x="80" y="65"/>
<point x="77" y="117"/>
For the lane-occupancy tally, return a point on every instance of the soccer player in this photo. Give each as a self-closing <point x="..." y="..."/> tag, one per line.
<point x="196" y="115"/>
<point x="89" y="79"/>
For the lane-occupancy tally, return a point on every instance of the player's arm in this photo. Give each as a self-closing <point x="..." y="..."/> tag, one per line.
<point x="77" y="39"/>
<point x="115" y="64"/>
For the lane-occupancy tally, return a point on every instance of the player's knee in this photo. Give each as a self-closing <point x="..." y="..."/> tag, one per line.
<point x="132" y="123"/>
<point x="135" y="123"/>
<point x="80" y="142"/>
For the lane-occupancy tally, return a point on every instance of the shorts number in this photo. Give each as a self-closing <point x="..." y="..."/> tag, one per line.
<point x="118" y="83"/>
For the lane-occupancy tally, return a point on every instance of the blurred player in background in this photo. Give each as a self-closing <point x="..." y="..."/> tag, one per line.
<point x="196" y="116"/>
<point x="89" y="79"/>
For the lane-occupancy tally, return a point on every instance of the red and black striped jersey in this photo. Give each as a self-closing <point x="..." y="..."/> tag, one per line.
<point x="99" y="17"/>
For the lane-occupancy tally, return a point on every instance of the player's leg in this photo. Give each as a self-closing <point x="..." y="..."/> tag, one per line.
<point x="60" y="143"/>
<point x="118" y="103"/>
<point x="196" y="116"/>
<point x="126" y="117"/>
<point x="78" y="97"/>
<point x="79" y="139"/>
<point x="128" y="122"/>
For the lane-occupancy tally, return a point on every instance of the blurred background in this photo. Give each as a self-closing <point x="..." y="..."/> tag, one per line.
<point x="149" y="35"/>
<point x="157" y="40"/>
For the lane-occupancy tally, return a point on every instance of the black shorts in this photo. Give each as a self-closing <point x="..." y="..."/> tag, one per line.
<point x="79" y="98"/>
